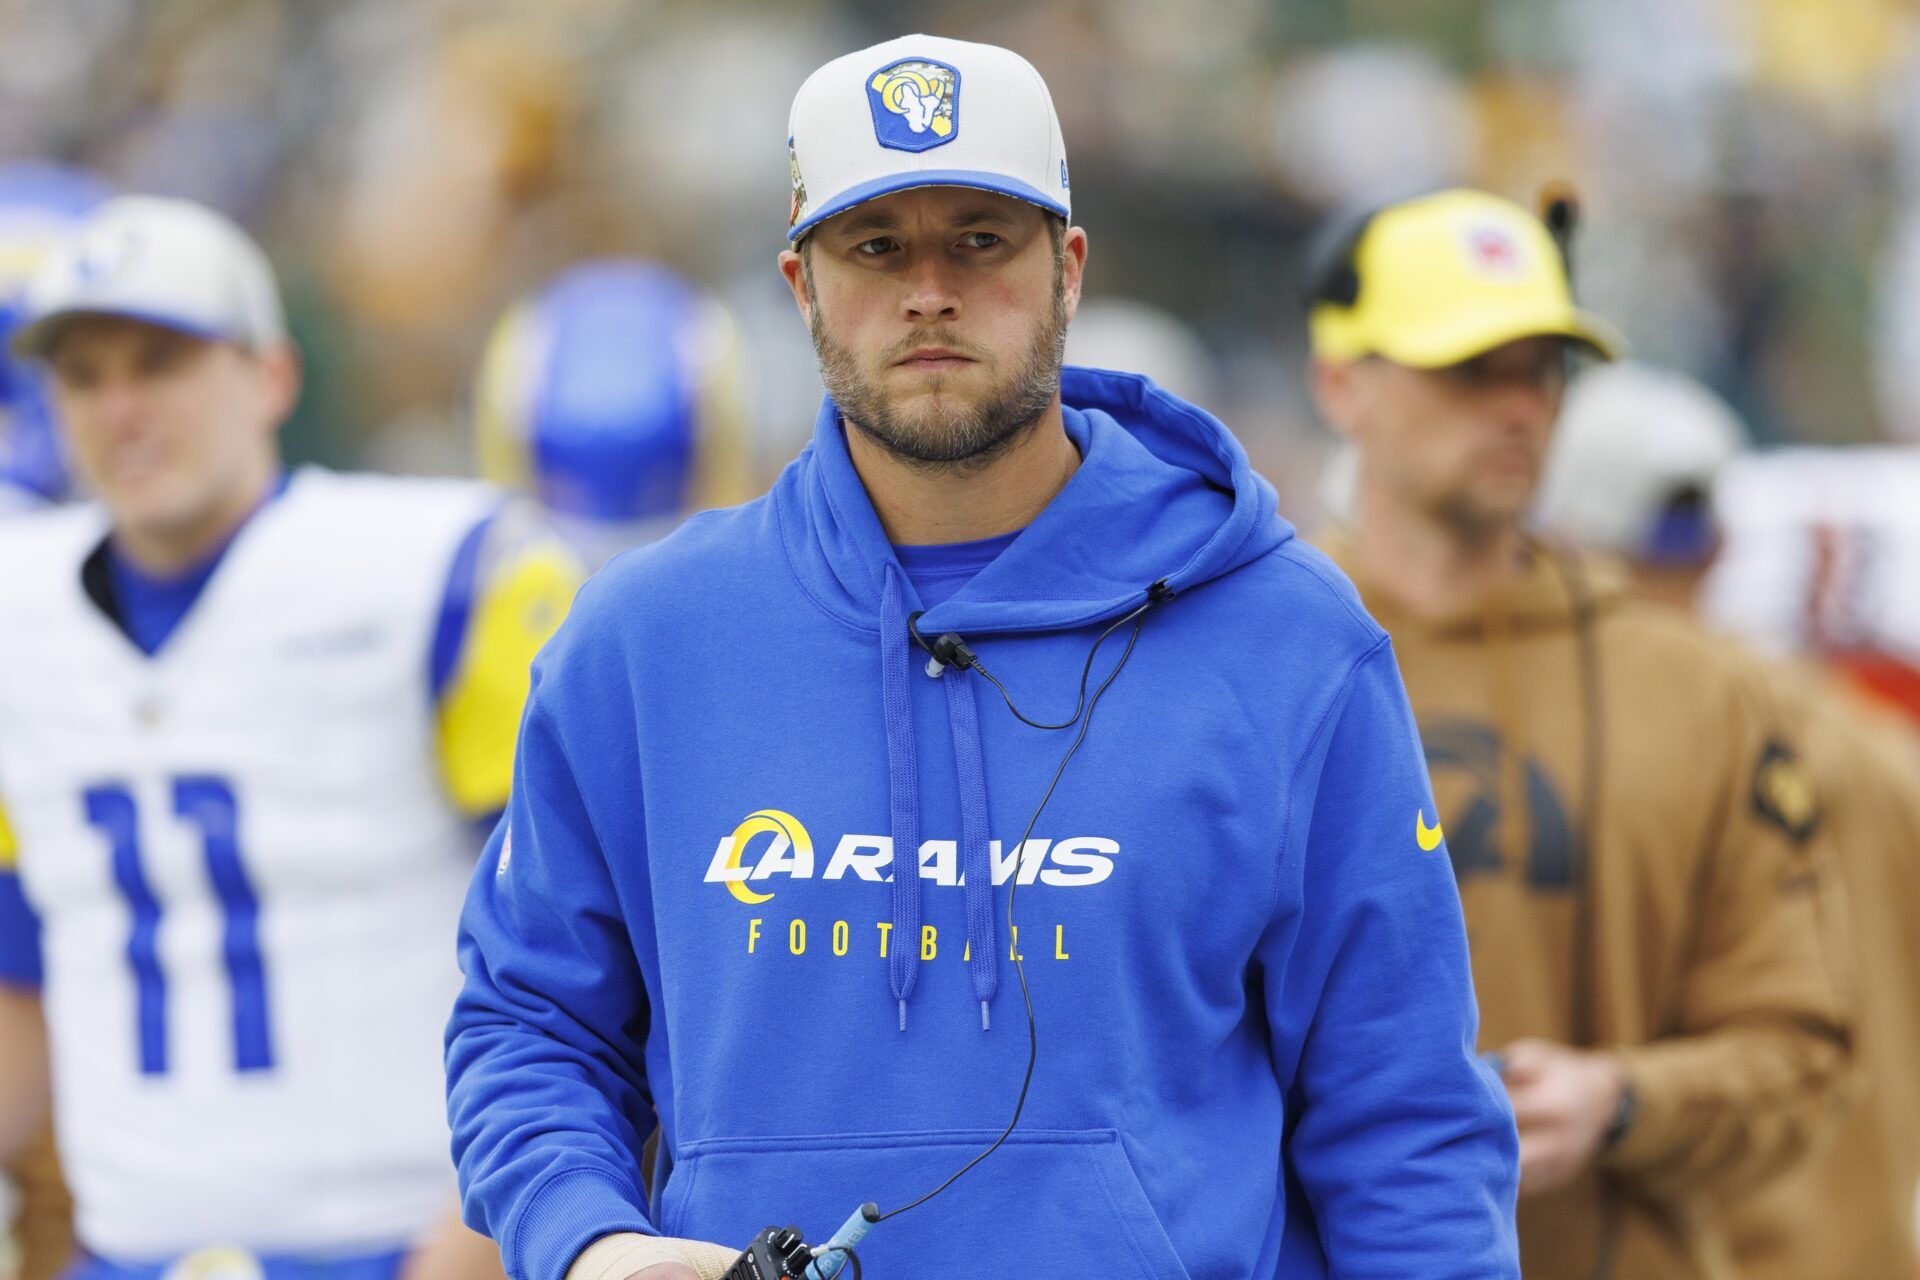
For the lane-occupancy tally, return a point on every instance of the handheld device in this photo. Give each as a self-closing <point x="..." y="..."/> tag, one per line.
<point x="780" y="1253"/>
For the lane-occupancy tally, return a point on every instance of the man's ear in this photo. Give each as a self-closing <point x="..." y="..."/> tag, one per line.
<point x="1332" y="385"/>
<point x="1073" y="267"/>
<point x="795" y="272"/>
<point x="281" y="365"/>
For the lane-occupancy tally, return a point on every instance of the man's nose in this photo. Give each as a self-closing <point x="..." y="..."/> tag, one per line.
<point x="120" y="401"/>
<point x="1527" y="402"/>
<point x="931" y="294"/>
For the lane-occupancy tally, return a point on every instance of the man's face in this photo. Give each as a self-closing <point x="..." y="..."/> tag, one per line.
<point x="165" y="428"/>
<point x="939" y="316"/>
<point x="1464" y="444"/>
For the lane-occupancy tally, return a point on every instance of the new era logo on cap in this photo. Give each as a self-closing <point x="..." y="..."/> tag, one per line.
<point x="916" y="104"/>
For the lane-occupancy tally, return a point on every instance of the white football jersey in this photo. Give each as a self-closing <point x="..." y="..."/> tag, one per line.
<point x="247" y="873"/>
<point x="17" y="501"/>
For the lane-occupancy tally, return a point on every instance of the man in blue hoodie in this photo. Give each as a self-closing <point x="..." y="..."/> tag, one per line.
<point x="782" y="774"/>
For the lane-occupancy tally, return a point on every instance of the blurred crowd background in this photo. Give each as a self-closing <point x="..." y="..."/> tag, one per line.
<point x="1748" y="173"/>
<point x="1749" y="170"/>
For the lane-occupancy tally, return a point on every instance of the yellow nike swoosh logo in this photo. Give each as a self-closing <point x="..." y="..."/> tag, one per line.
<point x="1429" y="837"/>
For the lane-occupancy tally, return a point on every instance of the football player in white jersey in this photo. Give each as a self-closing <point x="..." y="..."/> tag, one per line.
<point x="39" y="203"/>
<point x="615" y="398"/>
<point x="247" y="722"/>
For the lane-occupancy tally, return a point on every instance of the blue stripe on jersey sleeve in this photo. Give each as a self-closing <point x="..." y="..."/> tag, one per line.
<point x="456" y="607"/>
<point x="19" y="935"/>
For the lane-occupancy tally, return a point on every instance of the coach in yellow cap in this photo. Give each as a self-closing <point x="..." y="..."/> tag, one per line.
<point x="1637" y="850"/>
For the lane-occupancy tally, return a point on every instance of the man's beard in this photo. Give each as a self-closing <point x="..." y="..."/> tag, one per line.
<point x="948" y="435"/>
<point x="1475" y="520"/>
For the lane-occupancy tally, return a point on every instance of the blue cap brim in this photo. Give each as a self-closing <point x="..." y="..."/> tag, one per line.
<point x="998" y="183"/>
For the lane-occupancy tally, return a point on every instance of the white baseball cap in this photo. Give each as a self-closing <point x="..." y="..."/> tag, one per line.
<point x="1630" y="439"/>
<point x="922" y="111"/>
<point x="167" y="262"/>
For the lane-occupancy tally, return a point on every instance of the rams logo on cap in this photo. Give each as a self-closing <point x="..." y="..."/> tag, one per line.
<point x="916" y="104"/>
<point x="106" y="255"/>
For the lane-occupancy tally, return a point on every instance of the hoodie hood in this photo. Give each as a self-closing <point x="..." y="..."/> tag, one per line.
<point x="1163" y="491"/>
<point x="1164" y="496"/>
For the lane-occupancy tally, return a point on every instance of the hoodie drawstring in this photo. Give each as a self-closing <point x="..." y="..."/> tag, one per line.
<point x="903" y="791"/>
<point x="1509" y="717"/>
<point x="903" y="786"/>
<point x="976" y="873"/>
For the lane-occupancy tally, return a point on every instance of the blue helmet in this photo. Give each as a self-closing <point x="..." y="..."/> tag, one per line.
<point x="614" y="397"/>
<point x="39" y="203"/>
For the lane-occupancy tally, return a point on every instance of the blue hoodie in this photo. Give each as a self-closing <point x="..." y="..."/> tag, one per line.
<point x="1256" y="1022"/>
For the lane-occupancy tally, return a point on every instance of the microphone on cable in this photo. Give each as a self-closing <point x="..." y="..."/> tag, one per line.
<point x="950" y="651"/>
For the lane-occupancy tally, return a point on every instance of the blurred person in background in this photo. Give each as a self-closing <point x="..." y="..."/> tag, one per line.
<point x="418" y="166"/>
<point x="615" y="397"/>
<point x="1122" y="333"/>
<point x="247" y="721"/>
<point x="1634" y="464"/>
<point x="1647" y="925"/>
<point x="1819" y="551"/>
<point x="38" y="204"/>
<point x="1630" y="474"/>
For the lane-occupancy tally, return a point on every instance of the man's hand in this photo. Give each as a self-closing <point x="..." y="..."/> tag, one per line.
<point x="628" y="1256"/>
<point x="669" y="1271"/>
<point x="453" y="1252"/>
<point x="705" y="1262"/>
<point x="1563" y="1100"/>
<point x="697" y="1261"/>
<point x="701" y="1261"/>
<point x="26" y="1098"/>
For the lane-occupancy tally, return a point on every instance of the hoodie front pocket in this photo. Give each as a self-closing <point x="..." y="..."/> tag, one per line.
<point x="1049" y="1202"/>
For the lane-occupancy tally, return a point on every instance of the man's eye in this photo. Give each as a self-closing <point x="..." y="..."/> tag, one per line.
<point x="875" y="247"/>
<point x="980" y="239"/>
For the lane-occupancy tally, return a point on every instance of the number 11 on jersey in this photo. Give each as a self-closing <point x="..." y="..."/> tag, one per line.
<point x="207" y="804"/>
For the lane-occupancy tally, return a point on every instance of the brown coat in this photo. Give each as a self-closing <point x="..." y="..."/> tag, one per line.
<point x="1849" y="1211"/>
<point x="1626" y="824"/>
